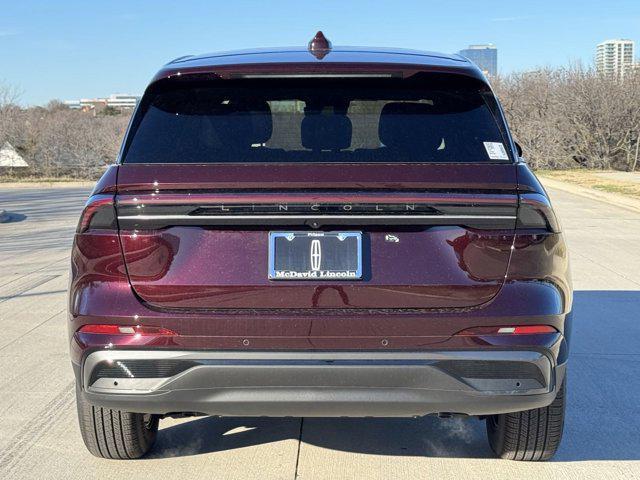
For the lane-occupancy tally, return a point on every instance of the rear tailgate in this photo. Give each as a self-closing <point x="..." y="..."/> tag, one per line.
<point x="435" y="236"/>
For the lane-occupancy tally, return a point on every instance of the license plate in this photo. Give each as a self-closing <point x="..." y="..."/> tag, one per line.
<point x="315" y="255"/>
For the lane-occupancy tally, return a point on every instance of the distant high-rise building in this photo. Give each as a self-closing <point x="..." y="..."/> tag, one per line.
<point x="484" y="56"/>
<point x="615" y="57"/>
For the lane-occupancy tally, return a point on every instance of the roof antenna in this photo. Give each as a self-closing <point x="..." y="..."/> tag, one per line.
<point x="319" y="46"/>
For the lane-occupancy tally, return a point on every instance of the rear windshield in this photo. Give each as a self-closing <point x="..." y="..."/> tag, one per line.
<point x="315" y="120"/>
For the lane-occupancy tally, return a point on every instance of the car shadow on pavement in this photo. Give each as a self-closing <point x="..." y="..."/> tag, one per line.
<point x="603" y="413"/>
<point x="427" y="436"/>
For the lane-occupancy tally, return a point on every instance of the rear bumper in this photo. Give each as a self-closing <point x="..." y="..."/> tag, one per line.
<point x="320" y="384"/>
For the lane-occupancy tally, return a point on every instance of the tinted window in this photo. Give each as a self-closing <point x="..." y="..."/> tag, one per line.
<point x="314" y="120"/>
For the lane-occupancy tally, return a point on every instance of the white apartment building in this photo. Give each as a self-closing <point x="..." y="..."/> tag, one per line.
<point x="615" y="57"/>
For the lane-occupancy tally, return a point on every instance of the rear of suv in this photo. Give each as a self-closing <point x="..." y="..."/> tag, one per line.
<point x="319" y="232"/>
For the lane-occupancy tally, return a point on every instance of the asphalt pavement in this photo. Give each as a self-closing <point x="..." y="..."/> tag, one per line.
<point x="39" y="436"/>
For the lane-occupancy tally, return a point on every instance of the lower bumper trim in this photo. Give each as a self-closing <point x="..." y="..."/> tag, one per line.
<point x="323" y="384"/>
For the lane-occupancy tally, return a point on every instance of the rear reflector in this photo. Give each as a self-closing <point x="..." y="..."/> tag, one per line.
<point x="509" y="330"/>
<point x="102" y="329"/>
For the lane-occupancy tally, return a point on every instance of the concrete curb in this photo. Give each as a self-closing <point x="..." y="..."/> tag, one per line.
<point x="4" y="216"/>
<point x="610" y="198"/>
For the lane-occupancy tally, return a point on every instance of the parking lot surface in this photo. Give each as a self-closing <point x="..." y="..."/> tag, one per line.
<point x="39" y="436"/>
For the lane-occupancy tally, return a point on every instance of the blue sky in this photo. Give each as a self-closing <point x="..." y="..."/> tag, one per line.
<point x="73" y="49"/>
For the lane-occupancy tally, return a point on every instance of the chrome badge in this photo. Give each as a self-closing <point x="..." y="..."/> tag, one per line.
<point x="316" y="255"/>
<point x="391" y="238"/>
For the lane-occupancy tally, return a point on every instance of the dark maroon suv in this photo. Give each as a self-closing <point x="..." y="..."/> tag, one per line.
<point x="319" y="232"/>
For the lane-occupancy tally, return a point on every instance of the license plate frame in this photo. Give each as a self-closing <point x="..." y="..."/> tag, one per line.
<point x="345" y="274"/>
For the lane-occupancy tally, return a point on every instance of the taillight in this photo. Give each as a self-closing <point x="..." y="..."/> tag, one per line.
<point x="99" y="214"/>
<point x="141" y="330"/>
<point x="535" y="212"/>
<point x="509" y="330"/>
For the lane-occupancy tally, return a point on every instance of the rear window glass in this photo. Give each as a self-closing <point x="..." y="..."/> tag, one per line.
<point x="314" y="120"/>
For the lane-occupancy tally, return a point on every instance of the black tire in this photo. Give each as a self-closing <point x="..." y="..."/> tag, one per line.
<point x="115" y="434"/>
<point x="531" y="435"/>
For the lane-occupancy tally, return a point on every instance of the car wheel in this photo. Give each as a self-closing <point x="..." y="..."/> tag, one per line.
<point x="532" y="435"/>
<point x="115" y="434"/>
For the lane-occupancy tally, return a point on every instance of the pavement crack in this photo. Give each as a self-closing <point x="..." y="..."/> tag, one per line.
<point x="66" y="258"/>
<point x="295" y="475"/>
<point x="35" y="429"/>
<point x="21" y="287"/>
<point x="605" y="267"/>
<point x="31" y="330"/>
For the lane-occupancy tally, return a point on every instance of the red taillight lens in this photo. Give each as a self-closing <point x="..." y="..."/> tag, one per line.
<point x="126" y="330"/>
<point x="528" y="329"/>
<point x="509" y="330"/>
<point x="99" y="213"/>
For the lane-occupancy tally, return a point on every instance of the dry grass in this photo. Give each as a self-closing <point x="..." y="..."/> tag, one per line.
<point x="32" y="182"/>
<point x="12" y="179"/>
<point x="590" y="179"/>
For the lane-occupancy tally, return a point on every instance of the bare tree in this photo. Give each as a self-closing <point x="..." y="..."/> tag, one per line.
<point x="57" y="141"/>
<point x="9" y="95"/>
<point x="573" y="117"/>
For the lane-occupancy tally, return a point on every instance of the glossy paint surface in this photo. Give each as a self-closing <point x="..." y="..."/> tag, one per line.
<point x="338" y="60"/>
<point x="537" y="290"/>
<point x="397" y="177"/>
<point x="194" y="267"/>
<point x="206" y="268"/>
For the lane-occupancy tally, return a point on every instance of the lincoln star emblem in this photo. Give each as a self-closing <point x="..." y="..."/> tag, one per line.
<point x="316" y="255"/>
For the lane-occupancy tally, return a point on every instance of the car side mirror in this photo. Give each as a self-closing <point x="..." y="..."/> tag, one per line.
<point x="518" y="149"/>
